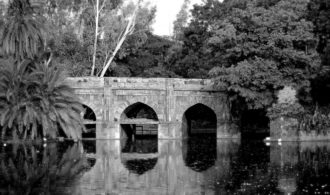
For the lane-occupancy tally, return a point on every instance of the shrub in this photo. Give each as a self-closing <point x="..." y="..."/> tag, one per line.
<point x="294" y="110"/>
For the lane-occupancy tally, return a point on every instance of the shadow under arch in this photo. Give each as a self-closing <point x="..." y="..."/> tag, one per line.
<point x="140" y="166"/>
<point x="199" y="120"/>
<point x="89" y="118"/>
<point x="140" y="155"/>
<point x="139" y="120"/>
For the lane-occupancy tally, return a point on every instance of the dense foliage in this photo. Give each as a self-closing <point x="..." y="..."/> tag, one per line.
<point x="35" y="102"/>
<point x="72" y="25"/>
<point x="319" y="14"/>
<point x="251" y="48"/>
<point x="256" y="50"/>
<point x="22" y="31"/>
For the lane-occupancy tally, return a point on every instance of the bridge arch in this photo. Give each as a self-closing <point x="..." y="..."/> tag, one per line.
<point x="93" y="105"/>
<point x="121" y="106"/>
<point x="138" y="119"/>
<point x="199" y="119"/>
<point x="89" y="119"/>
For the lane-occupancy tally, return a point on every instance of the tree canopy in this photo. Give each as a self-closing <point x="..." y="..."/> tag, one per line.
<point x="319" y="14"/>
<point x="252" y="48"/>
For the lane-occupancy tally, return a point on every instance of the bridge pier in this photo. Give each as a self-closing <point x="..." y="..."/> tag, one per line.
<point x="227" y="130"/>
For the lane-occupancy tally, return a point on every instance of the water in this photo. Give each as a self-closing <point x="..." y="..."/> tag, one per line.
<point x="193" y="166"/>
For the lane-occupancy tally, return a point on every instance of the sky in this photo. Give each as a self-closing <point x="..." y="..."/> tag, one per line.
<point x="166" y="14"/>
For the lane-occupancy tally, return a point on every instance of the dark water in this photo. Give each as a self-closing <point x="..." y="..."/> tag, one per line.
<point x="193" y="166"/>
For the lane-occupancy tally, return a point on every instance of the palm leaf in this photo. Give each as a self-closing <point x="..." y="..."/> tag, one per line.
<point x="38" y="98"/>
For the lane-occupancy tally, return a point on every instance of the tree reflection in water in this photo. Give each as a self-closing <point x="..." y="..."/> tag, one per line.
<point x="251" y="171"/>
<point x="200" y="152"/>
<point x="314" y="166"/>
<point x="41" y="169"/>
<point x="235" y="168"/>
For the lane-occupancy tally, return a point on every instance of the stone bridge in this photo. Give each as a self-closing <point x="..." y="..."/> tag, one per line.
<point x="169" y="98"/>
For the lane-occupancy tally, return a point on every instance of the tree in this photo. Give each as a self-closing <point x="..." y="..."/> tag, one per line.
<point x="181" y="20"/>
<point x="128" y="30"/>
<point x="150" y="60"/>
<point x="319" y="14"/>
<point x="190" y="59"/>
<point x="35" y="102"/>
<point x="278" y="37"/>
<point x="195" y="59"/>
<point x="22" y="34"/>
<point x="98" y="8"/>
<point x="122" y="30"/>
<point x="253" y="48"/>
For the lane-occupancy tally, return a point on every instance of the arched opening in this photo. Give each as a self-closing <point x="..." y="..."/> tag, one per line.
<point x="139" y="130"/>
<point x="199" y="120"/>
<point x="139" y="121"/>
<point x="200" y="127"/>
<point x="90" y="123"/>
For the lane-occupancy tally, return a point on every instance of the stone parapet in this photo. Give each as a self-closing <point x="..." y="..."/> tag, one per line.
<point x="143" y="83"/>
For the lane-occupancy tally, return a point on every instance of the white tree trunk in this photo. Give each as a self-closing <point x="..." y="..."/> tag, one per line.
<point x="97" y="13"/>
<point x="128" y="30"/>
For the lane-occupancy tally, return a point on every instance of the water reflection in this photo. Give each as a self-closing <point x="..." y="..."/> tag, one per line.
<point x="313" y="167"/>
<point x="167" y="167"/>
<point x="139" y="145"/>
<point x="139" y="155"/>
<point x="200" y="154"/>
<point x="41" y="168"/>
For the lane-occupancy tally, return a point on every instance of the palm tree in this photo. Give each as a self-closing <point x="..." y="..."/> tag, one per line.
<point x="22" y="33"/>
<point x="35" y="102"/>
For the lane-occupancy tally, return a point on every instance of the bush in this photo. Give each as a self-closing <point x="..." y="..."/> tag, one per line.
<point x="294" y="110"/>
<point x="35" y="103"/>
<point x="318" y="121"/>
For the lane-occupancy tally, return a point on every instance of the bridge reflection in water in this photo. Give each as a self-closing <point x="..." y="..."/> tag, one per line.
<point x="165" y="167"/>
<point x="157" y="167"/>
<point x="215" y="167"/>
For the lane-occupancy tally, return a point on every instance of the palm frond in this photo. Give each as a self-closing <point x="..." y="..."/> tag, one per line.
<point x="35" y="103"/>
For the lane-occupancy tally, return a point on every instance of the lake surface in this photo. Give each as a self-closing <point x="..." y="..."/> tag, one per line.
<point x="192" y="166"/>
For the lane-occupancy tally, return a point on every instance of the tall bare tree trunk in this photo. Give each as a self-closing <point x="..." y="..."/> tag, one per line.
<point x="97" y="13"/>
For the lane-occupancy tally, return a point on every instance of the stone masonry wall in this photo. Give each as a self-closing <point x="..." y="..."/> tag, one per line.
<point x="168" y="97"/>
